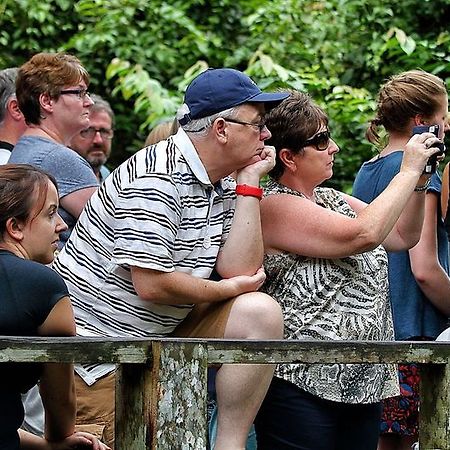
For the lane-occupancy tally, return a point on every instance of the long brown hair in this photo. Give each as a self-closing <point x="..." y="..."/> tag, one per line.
<point x="402" y="97"/>
<point x="19" y="184"/>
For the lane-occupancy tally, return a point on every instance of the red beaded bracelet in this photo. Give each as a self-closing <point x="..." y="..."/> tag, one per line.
<point x="252" y="191"/>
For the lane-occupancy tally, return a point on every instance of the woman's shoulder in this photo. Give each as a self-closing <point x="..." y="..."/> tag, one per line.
<point x="333" y="199"/>
<point x="31" y="273"/>
<point x="383" y="160"/>
<point x="273" y="187"/>
<point x="323" y="193"/>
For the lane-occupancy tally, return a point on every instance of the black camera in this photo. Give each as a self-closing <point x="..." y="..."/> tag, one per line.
<point x="430" y="166"/>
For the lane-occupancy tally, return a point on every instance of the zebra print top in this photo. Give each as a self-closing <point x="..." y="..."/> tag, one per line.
<point x="334" y="299"/>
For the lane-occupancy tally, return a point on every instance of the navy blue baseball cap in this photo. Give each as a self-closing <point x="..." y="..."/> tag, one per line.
<point x="218" y="89"/>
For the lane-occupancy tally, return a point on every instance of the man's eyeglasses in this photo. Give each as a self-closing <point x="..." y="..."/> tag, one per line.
<point x="80" y="93"/>
<point x="261" y="125"/>
<point x="321" y="141"/>
<point x="89" y="133"/>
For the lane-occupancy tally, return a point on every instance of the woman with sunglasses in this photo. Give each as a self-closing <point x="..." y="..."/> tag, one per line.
<point x="421" y="274"/>
<point x="34" y="302"/>
<point x="326" y="265"/>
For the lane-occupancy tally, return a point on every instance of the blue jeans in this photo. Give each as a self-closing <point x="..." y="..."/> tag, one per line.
<point x="291" y="418"/>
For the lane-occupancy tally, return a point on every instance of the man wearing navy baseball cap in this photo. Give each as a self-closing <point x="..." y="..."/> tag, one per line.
<point x="216" y="90"/>
<point x="159" y="226"/>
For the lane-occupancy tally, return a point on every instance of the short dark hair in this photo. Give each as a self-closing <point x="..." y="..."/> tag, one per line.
<point x="7" y="88"/>
<point x="291" y="123"/>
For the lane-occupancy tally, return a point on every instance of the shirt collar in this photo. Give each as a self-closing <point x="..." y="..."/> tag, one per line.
<point x="6" y="145"/>
<point x="190" y="154"/>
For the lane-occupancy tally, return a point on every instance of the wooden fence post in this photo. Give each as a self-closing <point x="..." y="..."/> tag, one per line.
<point x="434" y="427"/>
<point x="178" y="401"/>
<point x="133" y="391"/>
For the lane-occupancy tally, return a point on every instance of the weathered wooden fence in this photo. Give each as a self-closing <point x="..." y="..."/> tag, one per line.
<point x="161" y="383"/>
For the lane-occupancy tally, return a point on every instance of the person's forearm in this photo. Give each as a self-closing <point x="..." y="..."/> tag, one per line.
<point x="243" y="251"/>
<point x="409" y="225"/>
<point x="57" y="390"/>
<point x="181" y="288"/>
<point x="379" y="219"/>
<point x="436" y="287"/>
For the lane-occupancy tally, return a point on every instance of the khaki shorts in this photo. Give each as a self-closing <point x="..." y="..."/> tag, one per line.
<point x="95" y="404"/>
<point x="95" y="408"/>
<point x="206" y="320"/>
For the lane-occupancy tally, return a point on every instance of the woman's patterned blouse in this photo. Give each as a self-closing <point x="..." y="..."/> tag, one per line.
<point x="334" y="299"/>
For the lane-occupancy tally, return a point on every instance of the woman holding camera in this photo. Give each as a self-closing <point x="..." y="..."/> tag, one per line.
<point x="326" y="266"/>
<point x="419" y="283"/>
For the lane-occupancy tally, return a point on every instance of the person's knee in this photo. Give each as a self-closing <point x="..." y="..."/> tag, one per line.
<point x="255" y="316"/>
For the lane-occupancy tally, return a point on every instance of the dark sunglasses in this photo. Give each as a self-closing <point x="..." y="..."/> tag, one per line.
<point x="321" y="141"/>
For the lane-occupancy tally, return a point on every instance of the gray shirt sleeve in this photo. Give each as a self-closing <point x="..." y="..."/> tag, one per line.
<point x="71" y="171"/>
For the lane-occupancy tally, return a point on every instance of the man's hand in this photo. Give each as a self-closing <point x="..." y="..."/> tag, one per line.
<point x="260" y="165"/>
<point x="244" y="283"/>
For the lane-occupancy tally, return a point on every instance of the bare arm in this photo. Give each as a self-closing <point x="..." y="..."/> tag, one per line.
<point x="181" y="288"/>
<point x="406" y="231"/>
<point x="74" y="202"/>
<point x="310" y="230"/>
<point x="429" y="274"/>
<point x="76" y="441"/>
<point x="243" y="251"/>
<point x="57" y="385"/>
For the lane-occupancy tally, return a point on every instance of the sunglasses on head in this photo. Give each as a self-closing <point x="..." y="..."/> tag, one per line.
<point x="320" y="141"/>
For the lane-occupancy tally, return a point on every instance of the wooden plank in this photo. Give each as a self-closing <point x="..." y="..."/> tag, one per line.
<point x="178" y="405"/>
<point x="176" y="415"/>
<point x="263" y="352"/>
<point x="133" y="392"/>
<point x="74" y="349"/>
<point x="138" y="350"/>
<point x="434" y="423"/>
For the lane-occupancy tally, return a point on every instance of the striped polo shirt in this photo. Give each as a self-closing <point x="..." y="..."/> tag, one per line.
<point x="158" y="210"/>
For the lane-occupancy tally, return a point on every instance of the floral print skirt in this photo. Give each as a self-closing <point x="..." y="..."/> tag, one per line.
<point x="401" y="414"/>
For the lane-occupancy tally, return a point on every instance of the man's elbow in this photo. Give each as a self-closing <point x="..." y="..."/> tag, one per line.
<point x="147" y="292"/>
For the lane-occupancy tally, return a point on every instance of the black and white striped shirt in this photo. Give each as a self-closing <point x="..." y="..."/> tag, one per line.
<point x="158" y="210"/>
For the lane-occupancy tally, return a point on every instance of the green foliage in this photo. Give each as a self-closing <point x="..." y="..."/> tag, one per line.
<point x="141" y="54"/>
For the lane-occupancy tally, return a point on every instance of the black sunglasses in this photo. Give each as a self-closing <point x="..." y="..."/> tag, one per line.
<point x="321" y="141"/>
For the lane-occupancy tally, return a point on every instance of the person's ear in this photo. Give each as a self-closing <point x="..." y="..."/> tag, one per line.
<point x="14" y="228"/>
<point x="286" y="156"/>
<point x="46" y="102"/>
<point x="14" y="110"/>
<point x="419" y="119"/>
<point x="220" y="129"/>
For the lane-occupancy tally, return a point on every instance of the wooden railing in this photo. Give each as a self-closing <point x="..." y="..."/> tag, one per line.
<point x="161" y="383"/>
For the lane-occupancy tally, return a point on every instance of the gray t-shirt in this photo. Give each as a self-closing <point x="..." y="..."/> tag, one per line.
<point x="71" y="171"/>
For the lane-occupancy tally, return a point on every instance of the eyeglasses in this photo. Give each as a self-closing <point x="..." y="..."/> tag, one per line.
<point x="321" y="141"/>
<point x="261" y="125"/>
<point x="89" y="133"/>
<point x="80" y="93"/>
